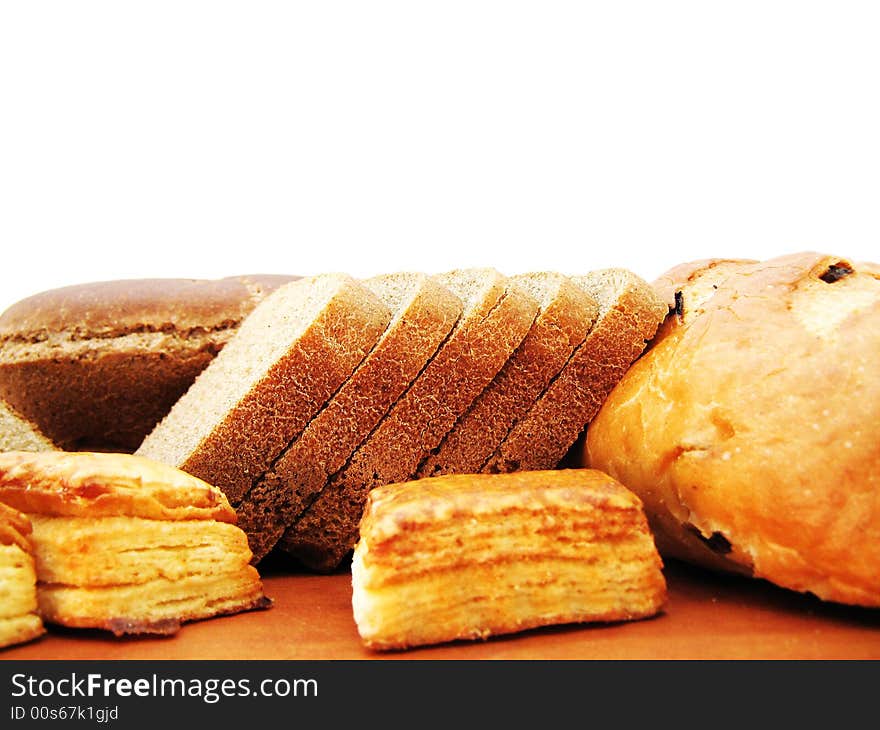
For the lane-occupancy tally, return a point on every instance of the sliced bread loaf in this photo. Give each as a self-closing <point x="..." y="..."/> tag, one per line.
<point x="566" y="316"/>
<point x="17" y="434"/>
<point x="496" y="317"/>
<point x="286" y="360"/>
<point x="424" y="314"/>
<point x="629" y="313"/>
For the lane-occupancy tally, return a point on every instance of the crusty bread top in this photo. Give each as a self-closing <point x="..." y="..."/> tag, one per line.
<point x="710" y="271"/>
<point x="14" y="528"/>
<point x="17" y="434"/>
<point x="114" y="308"/>
<point x="411" y="506"/>
<point x="85" y="484"/>
<point x="749" y="430"/>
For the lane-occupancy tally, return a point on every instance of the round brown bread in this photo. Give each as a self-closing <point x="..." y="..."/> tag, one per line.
<point x="96" y="366"/>
<point x="748" y="429"/>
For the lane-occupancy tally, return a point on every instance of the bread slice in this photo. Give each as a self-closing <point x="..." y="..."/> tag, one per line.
<point x="630" y="312"/>
<point x="17" y="434"/>
<point x="467" y="556"/>
<point x="566" y="316"/>
<point x="289" y="356"/>
<point x="496" y="317"/>
<point x="424" y="314"/>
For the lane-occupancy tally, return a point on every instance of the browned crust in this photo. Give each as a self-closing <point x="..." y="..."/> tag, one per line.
<point x="465" y="364"/>
<point x="552" y="425"/>
<point x="97" y="366"/>
<point x="558" y="329"/>
<point x="107" y="309"/>
<point x="679" y="276"/>
<point x="87" y="484"/>
<point x="393" y="510"/>
<point x="301" y="472"/>
<point x="15" y="528"/>
<point x="749" y="430"/>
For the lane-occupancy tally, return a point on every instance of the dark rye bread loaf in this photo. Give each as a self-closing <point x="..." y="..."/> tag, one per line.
<point x="424" y="314"/>
<point x="497" y="315"/>
<point x="287" y="359"/>
<point x="96" y="366"/>
<point x="629" y="313"/>
<point x="566" y="316"/>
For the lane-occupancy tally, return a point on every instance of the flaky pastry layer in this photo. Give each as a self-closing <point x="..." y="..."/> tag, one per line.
<point x="18" y="629"/>
<point x="18" y="593"/>
<point x="156" y="607"/>
<point x="114" y="550"/>
<point x="14" y="528"/>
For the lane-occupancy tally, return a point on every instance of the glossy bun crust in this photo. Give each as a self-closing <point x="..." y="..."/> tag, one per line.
<point x="84" y="484"/>
<point x="749" y="427"/>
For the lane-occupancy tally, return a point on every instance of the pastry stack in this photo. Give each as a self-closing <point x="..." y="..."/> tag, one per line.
<point x="469" y="556"/>
<point x="127" y="545"/>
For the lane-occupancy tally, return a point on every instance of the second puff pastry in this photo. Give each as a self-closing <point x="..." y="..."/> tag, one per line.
<point x="469" y="556"/>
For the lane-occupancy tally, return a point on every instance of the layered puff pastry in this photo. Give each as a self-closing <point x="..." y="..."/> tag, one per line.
<point x="469" y="556"/>
<point x="19" y="620"/>
<point x="129" y="545"/>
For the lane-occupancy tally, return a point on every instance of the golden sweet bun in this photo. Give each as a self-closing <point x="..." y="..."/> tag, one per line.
<point x="85" y="484"/>
<point x="749" y="427"/>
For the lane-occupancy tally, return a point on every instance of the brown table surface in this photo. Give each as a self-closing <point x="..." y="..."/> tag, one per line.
<point x="707" y="616"/>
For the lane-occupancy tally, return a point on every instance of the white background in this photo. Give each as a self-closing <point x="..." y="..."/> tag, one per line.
<point x="207" y="139"/>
